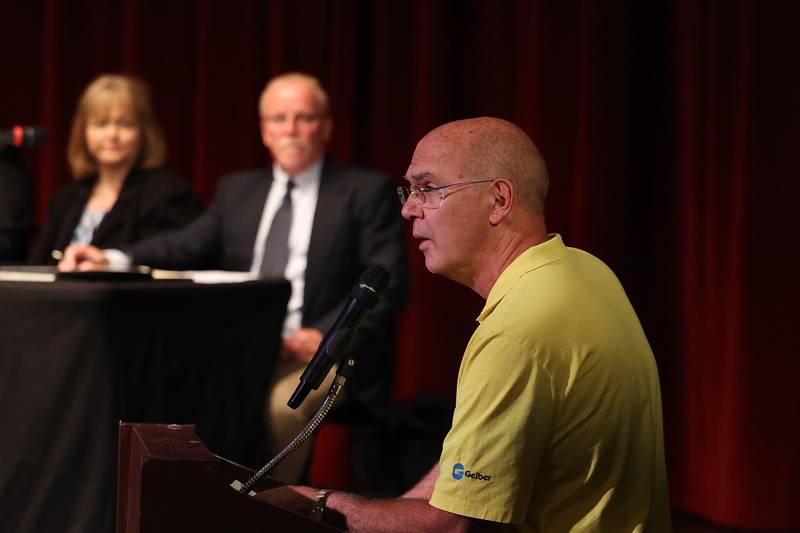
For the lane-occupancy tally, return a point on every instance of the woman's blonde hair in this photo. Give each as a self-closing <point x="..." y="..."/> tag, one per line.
<point x="96" y="98"/>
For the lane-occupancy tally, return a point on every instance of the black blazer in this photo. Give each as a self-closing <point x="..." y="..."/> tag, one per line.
<point x="357" y="223"/>
<point x="15" y="206"/>
<point x="151" y="201"/>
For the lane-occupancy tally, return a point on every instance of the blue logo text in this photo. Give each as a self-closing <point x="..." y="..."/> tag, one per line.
<point x="459" y="472"/>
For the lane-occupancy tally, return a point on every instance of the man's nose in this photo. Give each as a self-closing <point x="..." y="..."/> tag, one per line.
<point x="292" y="125"/>
<point x="411" y="210"/>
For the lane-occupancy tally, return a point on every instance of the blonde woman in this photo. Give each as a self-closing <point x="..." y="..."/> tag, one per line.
<point x="120" y="194"/>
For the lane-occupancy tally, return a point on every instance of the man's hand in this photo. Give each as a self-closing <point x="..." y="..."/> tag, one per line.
<point x="82" y="257"/>
<point x="301" y="345"/>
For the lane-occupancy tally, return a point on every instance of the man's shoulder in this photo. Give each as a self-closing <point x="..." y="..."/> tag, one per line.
<point x="362" y="186"/>
<point x="352" y="173"/>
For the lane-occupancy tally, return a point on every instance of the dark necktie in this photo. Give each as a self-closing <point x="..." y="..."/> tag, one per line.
<point x="276" y="247"/>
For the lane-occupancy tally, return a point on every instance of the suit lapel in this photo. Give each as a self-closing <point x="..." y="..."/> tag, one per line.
<point x="121" y="219"/>
<point x="252" y="208"/>
<point x="323" y="230"/>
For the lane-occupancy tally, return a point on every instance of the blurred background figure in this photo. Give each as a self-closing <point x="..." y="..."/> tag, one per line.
<point x="15" y="206"/>
<point x="121" y="193"/>
<point x="311" y="221"/>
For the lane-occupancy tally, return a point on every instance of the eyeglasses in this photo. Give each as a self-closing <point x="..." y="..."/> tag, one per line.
<point x="430" y="197"/>
<point x="281" y="119"/>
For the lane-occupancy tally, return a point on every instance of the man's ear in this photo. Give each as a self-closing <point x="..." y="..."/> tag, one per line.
<point x="503" y="195"/>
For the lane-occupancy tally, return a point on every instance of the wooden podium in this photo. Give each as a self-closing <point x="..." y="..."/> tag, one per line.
<point x="169" y="482"/>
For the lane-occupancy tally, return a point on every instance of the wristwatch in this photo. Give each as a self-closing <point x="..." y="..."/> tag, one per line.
<point x="318" y="504"/>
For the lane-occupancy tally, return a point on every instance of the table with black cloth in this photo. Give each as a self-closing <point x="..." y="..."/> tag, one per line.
<point x="76" y="357"/>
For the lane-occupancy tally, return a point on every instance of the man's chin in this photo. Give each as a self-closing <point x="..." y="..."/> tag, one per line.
<point x="295" y="165"/>
<point x="431" y="264"/>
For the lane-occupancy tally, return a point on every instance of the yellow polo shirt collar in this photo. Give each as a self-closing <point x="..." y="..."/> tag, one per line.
<point x="534" y="257"/>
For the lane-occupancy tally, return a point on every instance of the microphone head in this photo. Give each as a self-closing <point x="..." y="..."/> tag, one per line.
<point x="19" y="136"/>
<point x="376" y="278"/>
<point x="365" y="295"/>
<point x="370" y="286"/>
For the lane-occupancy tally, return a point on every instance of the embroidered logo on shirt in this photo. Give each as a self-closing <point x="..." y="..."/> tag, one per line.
<point x="459" y="472"/>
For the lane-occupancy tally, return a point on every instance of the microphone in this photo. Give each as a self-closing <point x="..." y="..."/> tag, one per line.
<point x="365" y="295"/>
<point x="20" y="136"/>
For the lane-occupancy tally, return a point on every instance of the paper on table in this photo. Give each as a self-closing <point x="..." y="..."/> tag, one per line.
<point x="20" y="274"/>
<point x="204" y="276"/>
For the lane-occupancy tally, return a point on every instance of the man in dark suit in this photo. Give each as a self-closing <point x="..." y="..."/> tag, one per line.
<point x="341" y="220"/>
<point x="15" y="206"/>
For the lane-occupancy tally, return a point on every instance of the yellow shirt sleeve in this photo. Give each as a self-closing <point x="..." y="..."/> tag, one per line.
<point x="504" y="413"/>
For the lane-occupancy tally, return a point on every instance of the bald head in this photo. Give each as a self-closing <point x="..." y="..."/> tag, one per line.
<point x="484" y="204"/>
<point x="491" y="148"/>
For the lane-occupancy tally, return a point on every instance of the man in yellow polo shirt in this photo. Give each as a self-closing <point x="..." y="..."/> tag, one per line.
<point x="558" y="423"/>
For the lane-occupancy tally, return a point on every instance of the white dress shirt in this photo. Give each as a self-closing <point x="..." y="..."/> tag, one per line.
<point x="304" y="204"/>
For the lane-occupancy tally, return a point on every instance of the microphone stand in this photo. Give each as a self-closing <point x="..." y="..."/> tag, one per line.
<point x="333" y="393"/>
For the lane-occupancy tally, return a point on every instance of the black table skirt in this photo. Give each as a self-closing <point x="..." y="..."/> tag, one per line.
<point x="77" y="357"/>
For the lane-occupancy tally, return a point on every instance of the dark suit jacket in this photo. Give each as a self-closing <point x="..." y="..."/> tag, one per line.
<point x="15" y="206"/>
<point x="357" y="223"/>
<point x="151" y="201"/>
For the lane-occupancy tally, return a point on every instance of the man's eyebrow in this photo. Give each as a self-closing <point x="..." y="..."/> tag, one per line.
<point x="419" y="177"/>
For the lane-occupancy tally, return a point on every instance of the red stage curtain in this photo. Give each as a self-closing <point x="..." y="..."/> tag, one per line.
<point x="669" y="129"/>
